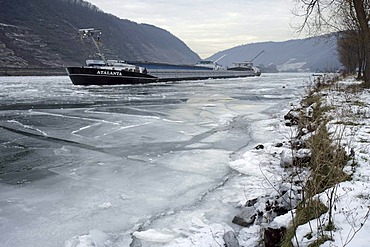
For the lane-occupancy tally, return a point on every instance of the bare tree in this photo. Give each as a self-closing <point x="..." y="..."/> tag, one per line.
<point x="351" y="52"/>
<point x="338" y="15"/>
<point x="351" y="45"/>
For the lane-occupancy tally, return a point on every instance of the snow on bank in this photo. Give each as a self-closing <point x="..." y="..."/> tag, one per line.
<point x="350" y="125"/>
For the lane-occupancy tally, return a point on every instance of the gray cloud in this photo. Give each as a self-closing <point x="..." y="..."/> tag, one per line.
<point x="208" y="26"/>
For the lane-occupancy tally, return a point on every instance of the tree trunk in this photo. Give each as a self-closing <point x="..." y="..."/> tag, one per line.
<point x="360" y="57"/>
<point x="359" y="72"/>
<point x="363" y="22"/>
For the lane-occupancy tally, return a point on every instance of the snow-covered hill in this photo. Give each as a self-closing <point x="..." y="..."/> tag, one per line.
<point x="311" y="54"/>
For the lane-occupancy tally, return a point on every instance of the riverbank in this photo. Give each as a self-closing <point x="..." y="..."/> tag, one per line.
<point x="326" y="177"/>
<point x="346" y="116"/>
<point x="6" y="71"/>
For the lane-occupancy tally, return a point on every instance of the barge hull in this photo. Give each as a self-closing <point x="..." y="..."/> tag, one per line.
<point x="96" y="76"/>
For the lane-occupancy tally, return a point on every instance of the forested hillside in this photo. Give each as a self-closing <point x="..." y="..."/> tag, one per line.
<point x="45" y="33"/>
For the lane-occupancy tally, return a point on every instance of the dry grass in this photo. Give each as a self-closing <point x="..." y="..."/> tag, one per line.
<point x="326" y="165"/>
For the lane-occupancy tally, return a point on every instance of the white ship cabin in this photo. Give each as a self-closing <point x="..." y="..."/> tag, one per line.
<point x="209" y="64"/>
<point x="115" y="65"/>
<point x="95" y="63"/>
<point x="245" y="64"/>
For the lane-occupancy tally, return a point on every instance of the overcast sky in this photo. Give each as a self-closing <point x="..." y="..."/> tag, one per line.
<point x="209" y="26"/>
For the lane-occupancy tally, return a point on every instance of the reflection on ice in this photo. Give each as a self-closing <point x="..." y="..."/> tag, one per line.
<point x="155" y="164"/>
<point x="26" y="126"/>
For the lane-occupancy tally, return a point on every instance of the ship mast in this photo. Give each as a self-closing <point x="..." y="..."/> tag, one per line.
<point x="258" y="55"/>
<point x="91" y="32"/>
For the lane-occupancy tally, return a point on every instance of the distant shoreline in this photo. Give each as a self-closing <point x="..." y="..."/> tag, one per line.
<point x="6" y="71"/>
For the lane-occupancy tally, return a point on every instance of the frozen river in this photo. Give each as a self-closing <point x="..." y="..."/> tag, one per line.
<point x="89" y="166"/>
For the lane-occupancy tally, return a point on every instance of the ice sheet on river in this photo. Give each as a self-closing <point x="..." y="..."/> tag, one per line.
<point x="98" y="165"/>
